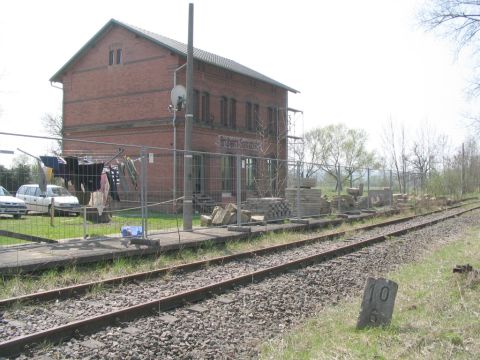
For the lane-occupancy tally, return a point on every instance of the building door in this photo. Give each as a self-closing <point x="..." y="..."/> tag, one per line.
<point x="198" y="173"/>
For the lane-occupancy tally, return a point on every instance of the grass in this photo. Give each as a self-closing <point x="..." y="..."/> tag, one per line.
<point x="436" y="316"/>
<point x="66" y="227"/>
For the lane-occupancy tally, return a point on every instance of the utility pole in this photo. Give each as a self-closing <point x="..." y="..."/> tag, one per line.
<point x="187" y="162"/>
<point x="462" y="177"/>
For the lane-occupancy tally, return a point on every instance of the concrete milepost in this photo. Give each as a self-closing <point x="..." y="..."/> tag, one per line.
<point x="378" y="302"/>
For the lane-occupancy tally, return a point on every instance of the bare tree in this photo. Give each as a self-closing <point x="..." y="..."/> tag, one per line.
<point x="426" y="152"/>
<point x="271" y="168"/>
<point x="53" y="124"/>
<point x="395" y="149"/>
<point x="458" y="20"/>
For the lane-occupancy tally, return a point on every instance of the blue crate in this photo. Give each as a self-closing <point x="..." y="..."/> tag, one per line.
<point x="128" y="231"/>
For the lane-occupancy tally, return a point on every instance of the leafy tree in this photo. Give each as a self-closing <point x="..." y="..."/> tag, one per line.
<point x="334" y="146"/>
<point x="20" y="173"/>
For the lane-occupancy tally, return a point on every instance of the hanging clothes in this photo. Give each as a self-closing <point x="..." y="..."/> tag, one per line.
<point x="89" y="175"/>
<point x="42" y="179"/>
<point x="96" y="201"/>
<point x="132" y="171"/>
<point x="123" y="178"/>
<point x="72" y="169"/>
<point x="51" y="162"/>
<point x="48" y="174"/>
<point x="113" y="183"/>
<point x="104" y="187"/>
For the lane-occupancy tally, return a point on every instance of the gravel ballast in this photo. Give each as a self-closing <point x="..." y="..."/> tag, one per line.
<point x="231" y="325"/>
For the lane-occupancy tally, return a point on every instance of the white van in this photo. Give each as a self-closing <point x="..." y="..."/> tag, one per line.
<point x="42" y="202"/>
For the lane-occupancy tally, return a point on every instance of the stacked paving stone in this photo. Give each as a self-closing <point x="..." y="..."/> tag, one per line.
<point x="271" y="208"/>
<point x="311" y="202"/>
<point x="343" y="203"/>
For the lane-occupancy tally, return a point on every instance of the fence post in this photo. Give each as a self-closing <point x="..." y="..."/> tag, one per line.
<point x="298" y="190"/>
<point x="52" y="210"/>
<point x="239" y="190"/>
<point x="338" y="188"/>
<point x="368" y="188"/>
<point x="142" y="189"/>
<point x="146" y="160"/>
<point x="84" y="207"/>
<point x="391" y="189"/>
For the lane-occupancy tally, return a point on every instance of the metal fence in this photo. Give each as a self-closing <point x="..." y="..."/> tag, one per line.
<point x="98" y="189"/>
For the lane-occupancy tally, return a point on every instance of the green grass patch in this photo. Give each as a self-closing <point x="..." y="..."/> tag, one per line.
<point x="436" y="316"/>
<point x="67" y="227"/>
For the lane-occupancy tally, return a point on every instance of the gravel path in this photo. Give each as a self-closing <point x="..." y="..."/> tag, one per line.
<point x="229" y="326"/>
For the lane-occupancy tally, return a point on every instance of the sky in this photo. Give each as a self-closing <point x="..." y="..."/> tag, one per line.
<point x="360" y="63"/>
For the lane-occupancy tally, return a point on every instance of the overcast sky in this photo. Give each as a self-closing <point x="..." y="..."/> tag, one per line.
<point x="356" y="62"/>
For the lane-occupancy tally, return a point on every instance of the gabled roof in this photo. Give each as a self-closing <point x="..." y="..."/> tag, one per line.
<point x="176" y="47"/>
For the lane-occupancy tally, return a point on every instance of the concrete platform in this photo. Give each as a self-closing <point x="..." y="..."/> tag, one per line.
<point x="34" y="257"/>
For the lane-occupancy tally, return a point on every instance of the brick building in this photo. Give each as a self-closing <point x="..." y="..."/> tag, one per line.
<point x="117" y="87"/>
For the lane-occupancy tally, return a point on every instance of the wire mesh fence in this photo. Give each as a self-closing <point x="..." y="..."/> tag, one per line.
<point x="100" y="190"/>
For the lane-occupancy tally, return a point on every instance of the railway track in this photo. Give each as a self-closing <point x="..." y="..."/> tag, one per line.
<point x="207" y="278"/>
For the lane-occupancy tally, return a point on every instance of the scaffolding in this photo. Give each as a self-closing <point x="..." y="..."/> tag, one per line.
<point x="295" y="145"/>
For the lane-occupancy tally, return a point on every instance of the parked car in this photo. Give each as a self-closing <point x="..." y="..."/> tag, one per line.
<point x="37" y="201"/>
<point x="10" y="205"/>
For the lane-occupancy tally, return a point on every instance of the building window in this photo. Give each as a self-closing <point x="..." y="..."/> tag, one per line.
<point x="115" y="56"/>
<point x="196" y="105"/>
<point x="224" y="111"/>
<point x="226" y="168"/>
<point x="119" y="56"/>
<point x="250" y="173"/>
<point x="206" y="107"/>
<point x="233" y="114"/>
<point x="256" y="117"/>
<point x="270" y="121"/>
<point x="248" y="116"/>
<point x="272" y="174"/>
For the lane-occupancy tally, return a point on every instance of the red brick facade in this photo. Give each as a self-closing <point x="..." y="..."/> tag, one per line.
<point x="127" y="103"/>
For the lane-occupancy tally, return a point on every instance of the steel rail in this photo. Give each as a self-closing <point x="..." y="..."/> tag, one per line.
<point x="57" y="334"/>
<point x="75" y="290"/>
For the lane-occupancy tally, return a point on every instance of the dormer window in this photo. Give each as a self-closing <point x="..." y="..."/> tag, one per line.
<point x="115" y="57"/>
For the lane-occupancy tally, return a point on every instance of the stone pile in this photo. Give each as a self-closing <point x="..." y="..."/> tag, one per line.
<point x="380" y="198"/>
<point x="272" y="208"/>
<point x="400" y="201"/>
<point x="225" y="216"/>
<point x="428" y="200"/>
